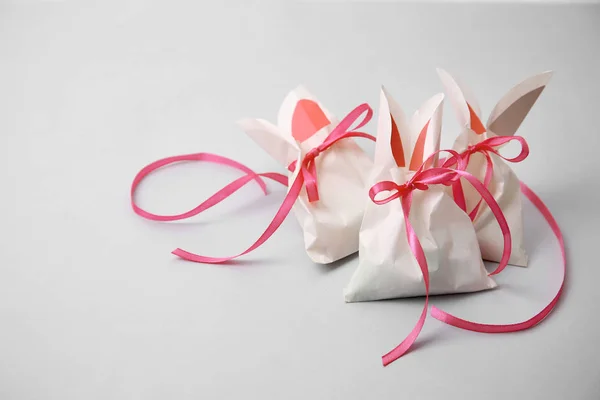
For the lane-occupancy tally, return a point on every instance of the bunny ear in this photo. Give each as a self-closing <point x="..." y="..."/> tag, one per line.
<point x="308" y="119"/>
<point x="512" y="109"/>
<point x="280" y="146"/>
<point x="302" y="116"/>
<point x="393" y="139"/>
<point x="465" y="106"/>
<point x="425" y="127"/>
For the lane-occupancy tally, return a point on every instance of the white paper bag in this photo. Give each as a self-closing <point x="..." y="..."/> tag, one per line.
<point x="387" y="267"/>
<point x="330" y="224"/>
<point x="504" y="120"/>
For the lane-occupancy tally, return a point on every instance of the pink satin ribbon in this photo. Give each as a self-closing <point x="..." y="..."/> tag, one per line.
<point x="537" y="318"/>
<point x="211" y="201"/>
<point x="421" y="181"/>
<point x="307" y="177"/>
<point x="417" y="250"/>
<point x="484" y="147"/>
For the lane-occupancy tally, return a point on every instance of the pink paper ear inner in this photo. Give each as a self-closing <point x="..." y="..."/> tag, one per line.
<point x="307" y="120"/>
<point x="396" y="145"/>
<point x="476" y="124"/>
<point x="417" y="156"/>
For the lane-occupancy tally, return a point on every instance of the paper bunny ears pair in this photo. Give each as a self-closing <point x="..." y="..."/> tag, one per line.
<point x="421" y="222"/>
<point x="411" y="141"/>
<point x="509" y="112"/>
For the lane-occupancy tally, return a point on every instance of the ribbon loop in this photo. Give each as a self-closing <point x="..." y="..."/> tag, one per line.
<point x="385" y="186"/>
<point x="491" y="145"/>
<point x="210" y="202"/>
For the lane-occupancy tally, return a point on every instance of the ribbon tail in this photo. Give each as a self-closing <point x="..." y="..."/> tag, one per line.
<point x="473" y="213"/>
<point x="457" y="190"/>
<point x="539" y="317"/>
<point x="221" y="195"/>
<point x="489" y="171"/>
<point x="417" y="251"/>
<point x="278" y="219"/>
<point x="497" y="211"/>
<point x="407" y="343"/>
<point x="459" y="196"/>
<point x="310" y="181"/>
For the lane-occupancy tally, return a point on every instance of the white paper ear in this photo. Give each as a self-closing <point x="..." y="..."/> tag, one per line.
<point x="512" y="109"/>
<point x="464" y="103"/>
<point x="425" y="129"/>
<point x="301" y="115"/>
<point x="393" y="135"/>
<point x="280" y="146"/>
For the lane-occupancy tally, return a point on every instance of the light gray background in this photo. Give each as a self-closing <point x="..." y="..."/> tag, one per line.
<point x="93" y="305"/>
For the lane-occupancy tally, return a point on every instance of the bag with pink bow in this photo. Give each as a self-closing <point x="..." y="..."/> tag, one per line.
<point x="414" y="239"/>
<point x="480" y="146"/>
<point x="327" y="173"/>
<point x="387" y="267"/>
<point x="417" y="240"/>
<point x="330" y="212"/>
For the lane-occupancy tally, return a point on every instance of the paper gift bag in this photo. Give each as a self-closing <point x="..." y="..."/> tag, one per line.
<point x="332" y="222"/>
<point x="387" y="267"/>
<point x="504" y="120"/>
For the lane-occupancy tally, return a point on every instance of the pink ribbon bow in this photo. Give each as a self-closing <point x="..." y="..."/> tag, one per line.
<point x="306" y="177"/>
<point x="308" y="166"/>
<point x="484" y="147"/>
<point x="421" y="181"/>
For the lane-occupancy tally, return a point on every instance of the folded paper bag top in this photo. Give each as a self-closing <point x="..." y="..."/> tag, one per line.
<point x="331" y="223"/>
<point x="387" y="267"/>
<point x="504" y="120"/>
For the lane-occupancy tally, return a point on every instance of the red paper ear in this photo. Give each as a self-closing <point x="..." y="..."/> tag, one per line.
<point x="307" y="120"/>
<point x="476" y="124"/>
<point x="396" y="144"/>
<point x="417" y="156"/>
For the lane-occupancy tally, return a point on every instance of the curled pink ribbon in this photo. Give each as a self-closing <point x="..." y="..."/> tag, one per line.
<point x="306" y="177"/>
<point x="211" y="201"/>
<point x="421" y="181"/>
<point x="485" y="147"/>
<point x="537" y="318"/>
